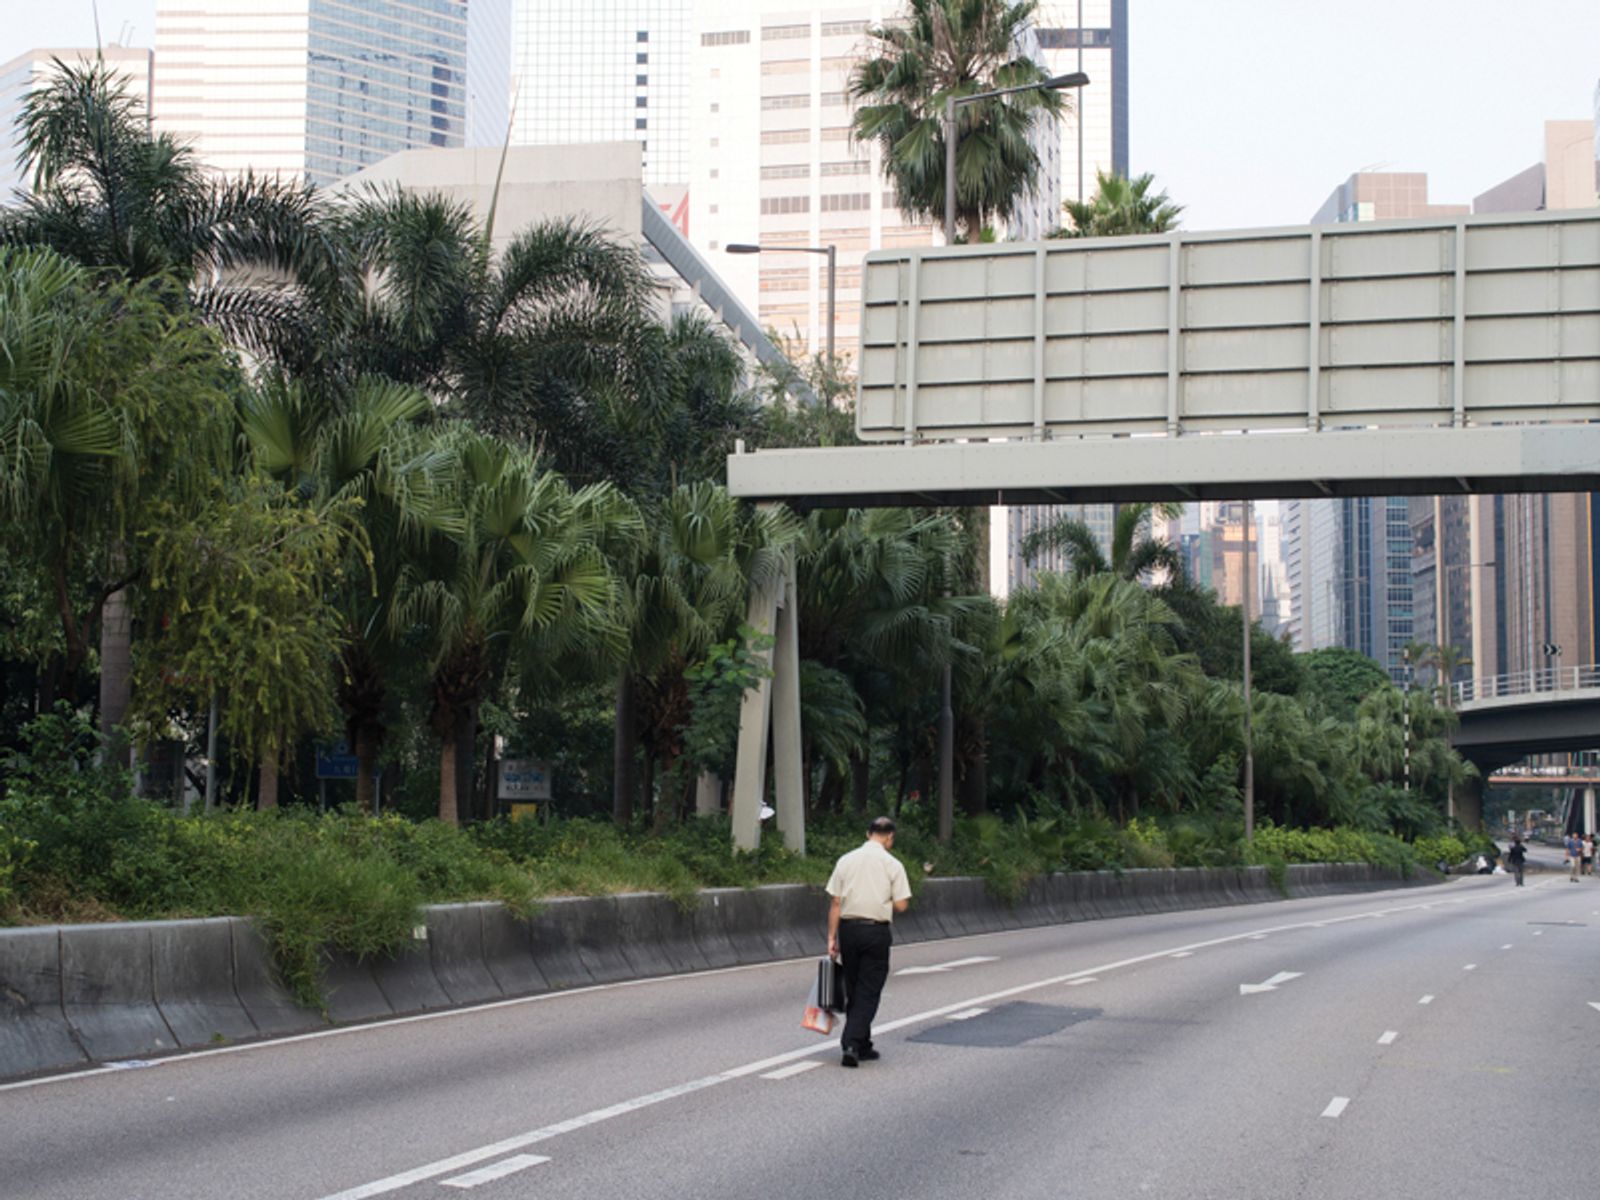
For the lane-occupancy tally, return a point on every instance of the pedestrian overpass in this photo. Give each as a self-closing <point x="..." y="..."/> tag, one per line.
<point x="1416" y="357"/>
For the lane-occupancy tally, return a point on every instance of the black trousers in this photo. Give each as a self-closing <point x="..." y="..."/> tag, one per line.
<point x="864" y="953"/>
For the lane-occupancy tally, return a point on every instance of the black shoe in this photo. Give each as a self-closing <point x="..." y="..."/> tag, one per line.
<point x="850" y="1058"/>
<point x="869" y="1055"/>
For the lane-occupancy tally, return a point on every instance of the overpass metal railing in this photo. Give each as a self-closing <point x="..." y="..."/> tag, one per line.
<point x="1470" y="321"/>
<point x="1525" y="683"/>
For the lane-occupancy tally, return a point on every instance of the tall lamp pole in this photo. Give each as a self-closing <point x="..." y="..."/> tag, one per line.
<point x="830" y="251"/>
<point x="1249" y="732"/>
<point x="951" y="135"/>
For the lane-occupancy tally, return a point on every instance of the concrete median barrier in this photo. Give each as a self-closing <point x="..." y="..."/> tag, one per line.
<point x="407" y="980"/>
<point x="740" y="914"/>
<point x="1257" y="885"/>
<point x="455" y="951"/>
<point x="667" y="925"/>
<point x="108" y="991"/>
<point x="795" y="919"/>
<point x="34" y="1034"/>
<point x="349" y="990"/>
<point x="271" y="1008"/>
<point x="639" y="934"/>
<point x="192" y="965"/>
<point x="711" y="933"/>
<point x="554" y="935"/>
<point x="508" y="953"/>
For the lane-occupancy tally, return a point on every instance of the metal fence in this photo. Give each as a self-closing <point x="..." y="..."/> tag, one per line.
<point x="1525" y="683"/>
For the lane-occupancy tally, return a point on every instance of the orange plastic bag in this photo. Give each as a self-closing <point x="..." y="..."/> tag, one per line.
<point x="817" y="1018"/>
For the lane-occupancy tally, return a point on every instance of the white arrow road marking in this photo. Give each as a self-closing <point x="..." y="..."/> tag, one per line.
<point x="495" y="1171"/>
<point x="1426" y="1000"/>
<point x="1594" y="1005"/>
<point x="968" y="1014"/>
<point x="1388" y="1038"/>
<point x="798" y="1068"/>
<point x="1336" y="1106"/>
<point x="1271" y="985"/>
<point x="943" y="967"/>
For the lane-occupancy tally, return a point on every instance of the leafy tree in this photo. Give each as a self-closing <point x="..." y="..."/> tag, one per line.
<point x="1119" y="207"/>
<point x="1342" y="678"/>
<point x="941" y="48"/>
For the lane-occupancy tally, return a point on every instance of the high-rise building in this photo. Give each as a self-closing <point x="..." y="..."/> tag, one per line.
<point x="1349" y="562"/>
<point x="1090" y="36"/>
<point x="605" y="71"/>
<point x="319" y="89"/>
<point x="24" y="73"/>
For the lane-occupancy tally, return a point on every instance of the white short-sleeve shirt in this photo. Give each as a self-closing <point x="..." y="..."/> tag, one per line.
<point x="868" y="881"/>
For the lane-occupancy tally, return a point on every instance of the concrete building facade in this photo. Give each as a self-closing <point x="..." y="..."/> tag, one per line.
<point x="1090" y="36"/>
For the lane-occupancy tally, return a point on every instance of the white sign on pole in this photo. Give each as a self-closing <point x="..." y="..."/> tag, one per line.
<point x="524" y="779"/>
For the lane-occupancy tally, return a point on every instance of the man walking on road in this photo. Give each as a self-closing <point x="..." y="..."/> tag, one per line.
<point x="1517" y="858"/>
<point x="1574" y="855"/>
<point x="868" y="887"/>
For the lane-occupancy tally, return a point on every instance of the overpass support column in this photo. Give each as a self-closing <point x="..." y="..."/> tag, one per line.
<point x="1469" y="803"/>
<point x="1588" y="809"/>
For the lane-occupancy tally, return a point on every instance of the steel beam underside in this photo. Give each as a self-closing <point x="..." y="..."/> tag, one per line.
<point x="1257" y="466"/>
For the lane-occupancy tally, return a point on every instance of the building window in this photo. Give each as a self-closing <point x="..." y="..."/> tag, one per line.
<point x="801" y="101"/>
<point x="847" y="202"/>
<point x="715" y="142"/>
<point x="829" y="98"/>
<point x="731" y="37"/>
<point x="774" y="33"/>
<point x="641" y="101"/>
<point x="842" y="28"/>
<point x="642" y="35"/>
<point x="853" y="167"/>
<point x="640" y="123"/>
<point x="836" y="133"/>
<point x="714" y="208"/>
<point x="715" y="173"/>
<point x="783" y="137"/>
<point x="641" y="80"/>
<point x="716" y="245"/>
<point x="771" y="205"/>
<point x="716" y="108"/>
<point x="641" y="58"/>
<point x="787" y="171"/>
<point x="786" y="66"/>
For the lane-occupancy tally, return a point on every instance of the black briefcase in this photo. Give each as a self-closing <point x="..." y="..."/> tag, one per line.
<point x="830" y="985"/>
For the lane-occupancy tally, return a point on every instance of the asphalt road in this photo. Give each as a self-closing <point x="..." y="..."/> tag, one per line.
<point x="1433" y="1042"/>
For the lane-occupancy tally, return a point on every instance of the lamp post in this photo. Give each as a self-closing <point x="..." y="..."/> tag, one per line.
<point x="1249" y="727"/>
<point x="830" y="251"/>
<point x="952" y="102"/>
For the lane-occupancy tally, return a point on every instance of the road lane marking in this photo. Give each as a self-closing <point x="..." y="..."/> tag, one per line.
<point x="1470" y="967"/>
<point x="1388" y="1037"/>
<point x="1336" y="1106"/>
<point x="495" y="1171"/>
<point x="949" y="966"/>
<point x="968" y="1014"/>
<point x="1594" y="1005"/>
<point x="1081" y="982"/>
<point x="556" y="997"/>
<point x="793" y="1069"/>
<point x="1538" y="933"/>
<point x="1270" y="985"/>
<point x="1426" y="1000"/>
<point x="1182" y="954"/>
<point x="1507" y="946"/>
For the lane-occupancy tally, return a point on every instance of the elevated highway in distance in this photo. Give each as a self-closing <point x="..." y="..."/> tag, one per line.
<point x="1506" y="718"/>
<point x="1404" y="357"/>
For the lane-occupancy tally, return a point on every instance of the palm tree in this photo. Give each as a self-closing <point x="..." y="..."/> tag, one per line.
<point x="941" y="48"/>
<point x="1446" y="661"/>
<point x="109" y="194"/>
<point x="1119" y="207"/>
<point x="1134" y="553"/>
<point x="526" y="571"/>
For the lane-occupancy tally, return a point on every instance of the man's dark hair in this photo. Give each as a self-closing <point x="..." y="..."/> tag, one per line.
<point x="881" y="825"/>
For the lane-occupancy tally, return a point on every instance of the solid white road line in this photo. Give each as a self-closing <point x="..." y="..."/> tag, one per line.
<point x="495" y="1171"/>
<point x="1388" y="1038"/>
<point x="1470" y="967"/>
<point x="968" y="1014"/>
<point x="1426" y="1000"/>
<point x="1081" y="982"/>
<point x="1336" y="1106"/>
<point x="792" y="1070"/>
<point x="1182" y="954"/>
<point x="1258" y="937"/>
<point x="1507" y="946"/>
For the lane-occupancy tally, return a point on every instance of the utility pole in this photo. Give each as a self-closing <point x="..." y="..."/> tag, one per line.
<point x="1249" y="753"/>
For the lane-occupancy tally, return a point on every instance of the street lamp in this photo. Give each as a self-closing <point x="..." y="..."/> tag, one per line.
<point x="829" y="250"/>
<point x="951" y="102"/>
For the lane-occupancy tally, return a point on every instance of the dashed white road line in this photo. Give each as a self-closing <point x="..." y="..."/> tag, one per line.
<point x="1182" y="954"/>
<point x="1594" y="1005"/>
<point x="799" y="1068"/>
<point x="1426" y="1000"/>
<point x="1336" y="1106"/>
<point x="495" y="1171"/>
<point x="1388" y="1037"/>
<point x="1507" y="946"/>
<point x="1470" y="967"/>
<point x="1538" y="933"/>
<point x="968" y="1014"/>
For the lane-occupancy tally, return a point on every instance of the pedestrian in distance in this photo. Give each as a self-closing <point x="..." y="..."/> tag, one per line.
<point x="1574" y="856"/>
<point x="868" y="887"/>
<point x="1517" y="857"/>
<point x="1588" y="853"/>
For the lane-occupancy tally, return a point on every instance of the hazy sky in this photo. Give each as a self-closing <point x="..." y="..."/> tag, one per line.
<point x="1250" y="112"/>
